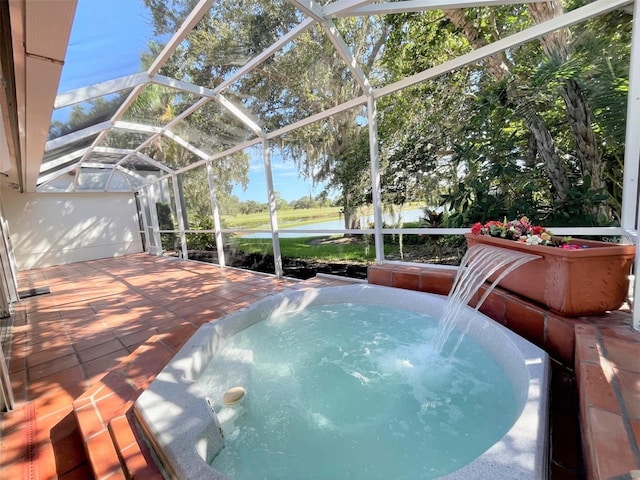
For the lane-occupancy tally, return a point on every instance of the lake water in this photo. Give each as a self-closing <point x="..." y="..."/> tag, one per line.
<point x="412" y="215"/>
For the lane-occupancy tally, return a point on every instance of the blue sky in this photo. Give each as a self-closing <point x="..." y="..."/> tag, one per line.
<point x="107" y="39"/>
<point x="285" y="181"/>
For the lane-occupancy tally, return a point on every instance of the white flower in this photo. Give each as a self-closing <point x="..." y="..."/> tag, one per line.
<point x="533" y="240"/>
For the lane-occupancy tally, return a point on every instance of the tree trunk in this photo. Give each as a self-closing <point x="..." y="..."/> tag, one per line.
<point x="555" y="169"/>
<point x="351" y="220"/>
<point x="555" y="46"/>
<point x="579" y="115"/>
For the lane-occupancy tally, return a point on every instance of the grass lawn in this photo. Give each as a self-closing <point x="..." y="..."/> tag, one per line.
<point x="318" y="248"/>
<point x="286" y="218"/>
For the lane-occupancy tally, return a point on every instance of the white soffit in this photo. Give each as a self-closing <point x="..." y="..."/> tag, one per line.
<point x="47" y="28"/>
<point x="16" y="15"/>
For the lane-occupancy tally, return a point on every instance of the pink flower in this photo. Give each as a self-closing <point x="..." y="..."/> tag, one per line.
<point x="570" y="246"/>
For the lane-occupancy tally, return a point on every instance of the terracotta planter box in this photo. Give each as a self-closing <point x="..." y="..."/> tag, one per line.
<point x="588" y="281"/>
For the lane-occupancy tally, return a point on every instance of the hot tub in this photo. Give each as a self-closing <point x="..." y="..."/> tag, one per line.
<point x="180" y="422"/>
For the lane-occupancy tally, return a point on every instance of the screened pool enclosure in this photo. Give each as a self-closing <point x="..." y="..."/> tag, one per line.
<point x="173" y="103"/>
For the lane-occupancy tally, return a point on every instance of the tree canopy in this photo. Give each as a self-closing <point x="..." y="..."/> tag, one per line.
<point x="533" y="130"/>
<point x="537" y="129"/>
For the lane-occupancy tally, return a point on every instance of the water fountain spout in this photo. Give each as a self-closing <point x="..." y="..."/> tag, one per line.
<point x="479" y="263"/>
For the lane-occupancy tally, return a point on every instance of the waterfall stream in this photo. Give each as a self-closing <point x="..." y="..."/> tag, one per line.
<point x="478" y="264"/>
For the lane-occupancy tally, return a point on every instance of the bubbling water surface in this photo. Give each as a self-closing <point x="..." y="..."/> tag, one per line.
<point x="348" y="391"/>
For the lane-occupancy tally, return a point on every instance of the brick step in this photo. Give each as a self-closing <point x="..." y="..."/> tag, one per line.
<point x="103" y="413"/>
<point x="24" y="441"/>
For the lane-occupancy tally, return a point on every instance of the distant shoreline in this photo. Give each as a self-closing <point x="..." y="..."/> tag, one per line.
<point x="292" y="218"/>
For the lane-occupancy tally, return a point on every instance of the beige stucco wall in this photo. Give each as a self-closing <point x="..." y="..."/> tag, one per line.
<point x="52" y="229"/>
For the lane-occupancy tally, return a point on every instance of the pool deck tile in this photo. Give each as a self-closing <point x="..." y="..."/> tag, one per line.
<point x="611" y="452"/>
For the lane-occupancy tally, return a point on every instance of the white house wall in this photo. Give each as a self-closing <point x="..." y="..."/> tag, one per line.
<point x="54" y="229"/>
